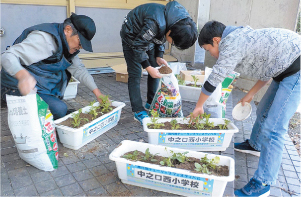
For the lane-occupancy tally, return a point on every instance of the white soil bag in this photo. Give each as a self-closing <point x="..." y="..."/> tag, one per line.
<point x="32" y="128"/>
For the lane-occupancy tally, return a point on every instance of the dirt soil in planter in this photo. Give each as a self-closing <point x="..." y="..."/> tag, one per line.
<point x="168" y="126"/>
<point x="187" y="165"/>
<point x="192" y="85"/>
<point x="68" y="122"/>
<point x="165" y="70"/>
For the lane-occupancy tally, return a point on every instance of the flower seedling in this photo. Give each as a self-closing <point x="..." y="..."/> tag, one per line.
<point x="150" y="156"/>
<point x="208" y="125"/>
<point x="180" y="80"/>
<point x="105" y="105"/>
<point x="93" y="110"/>
<point x="154" y="119"/>
<point x="77" y="119"/>
<point x="167" y="161"/>
<point x="206" y="164"/>
<point x="133" y="156"/>
<point x="174" y="124"/>
<point x="181" y="157"/>
<point x="225" y="125"/>
<point x="195" y="79"/>
<point x="201" y="168"/>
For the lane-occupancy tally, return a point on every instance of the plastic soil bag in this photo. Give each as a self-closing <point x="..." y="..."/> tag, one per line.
<point x="32" y="128"/>
<point x="216" y="103"/>
<point x="167" y="100"/>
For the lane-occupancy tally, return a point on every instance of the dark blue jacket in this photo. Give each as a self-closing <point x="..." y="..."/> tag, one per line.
<point x="50" y="73"/>
<point x="148" y="23"/>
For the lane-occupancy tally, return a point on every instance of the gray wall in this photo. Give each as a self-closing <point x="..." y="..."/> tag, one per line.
<point x="15" y="18"/>
<point x="108" y="23"/>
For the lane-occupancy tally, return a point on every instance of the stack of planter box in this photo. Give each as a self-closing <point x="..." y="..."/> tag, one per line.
<point x="165" y="142"/>
<point x="173" y="180"/>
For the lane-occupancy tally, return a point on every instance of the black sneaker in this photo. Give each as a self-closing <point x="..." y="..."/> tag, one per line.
<point x="245" y="147"/>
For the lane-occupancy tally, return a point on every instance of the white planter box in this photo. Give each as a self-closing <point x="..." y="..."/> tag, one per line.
<point x="189" y="93"/>
<point x="75" y="138"/>
<point x="168" y="179"/>
<point x="198" y="140"/>
<point x="71" y="89"/>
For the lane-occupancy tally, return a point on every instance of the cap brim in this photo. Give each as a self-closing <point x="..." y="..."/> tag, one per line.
<point x="86" y="44"/>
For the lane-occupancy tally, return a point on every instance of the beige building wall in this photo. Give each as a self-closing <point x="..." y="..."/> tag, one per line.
<point x="257" y="14"/>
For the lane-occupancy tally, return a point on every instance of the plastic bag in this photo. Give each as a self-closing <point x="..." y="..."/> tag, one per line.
<point x="32" y="128"/>
<point x="176" y="67"/>
<point x="167" y="100"/>
<point x="216" y="103"/>
<point x="212" y="105"/>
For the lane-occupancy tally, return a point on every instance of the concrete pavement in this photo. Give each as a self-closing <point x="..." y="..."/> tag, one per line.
<point x="89" y="172"/>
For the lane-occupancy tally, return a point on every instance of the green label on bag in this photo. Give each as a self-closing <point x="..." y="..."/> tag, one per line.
<point x="48" y="131"/>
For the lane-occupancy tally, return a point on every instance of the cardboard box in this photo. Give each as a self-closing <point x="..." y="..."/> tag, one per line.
<point x="186" y="75"/>
<point x="121" y="73"/>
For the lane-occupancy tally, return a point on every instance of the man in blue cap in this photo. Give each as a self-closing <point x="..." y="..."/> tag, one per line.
<point x="44" y="57"/>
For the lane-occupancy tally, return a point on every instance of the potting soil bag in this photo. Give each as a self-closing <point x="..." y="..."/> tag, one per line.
<point x="212" y="105"/>
<point x="167" y="100"/>
<point x="216" y="103"/>
<point x="227" y="89"/>
<point x="33" y="130"/>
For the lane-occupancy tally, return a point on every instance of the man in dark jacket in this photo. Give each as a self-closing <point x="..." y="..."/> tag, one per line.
<point x="40" y="58"/>
<point x="144" y="31"/>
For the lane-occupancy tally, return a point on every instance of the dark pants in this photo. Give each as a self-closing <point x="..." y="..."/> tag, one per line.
<point x="57" y="107"/>
<point x="134" y="69"/>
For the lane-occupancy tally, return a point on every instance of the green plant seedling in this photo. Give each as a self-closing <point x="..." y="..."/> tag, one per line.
<point x="181" y="157"/>
<point x="208" y="125"/>
<point x="133" y="156"/>
<point x="149" y="155"/>
<point x="105" y="105"/>
<point x="93" y="109"/>
<point x="195" y="79"/>
<point x="202" y="168"/>
<point x="225" y="125"/>
<point x="174" y="124"/>
<point x="167" y="161"/>
<point x="154" y="119"/>
<point x="180" y="80"/>
<point x="212" y="163"/>
<point x="77" y="119"/>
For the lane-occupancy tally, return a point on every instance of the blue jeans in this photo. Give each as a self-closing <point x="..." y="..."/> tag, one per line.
<point x="274" y="111"/>
<point x="134" y="69"/>
<point x="57" y="107"/>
